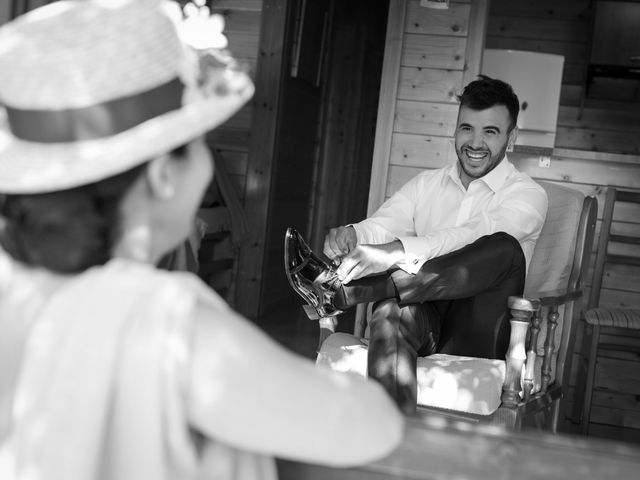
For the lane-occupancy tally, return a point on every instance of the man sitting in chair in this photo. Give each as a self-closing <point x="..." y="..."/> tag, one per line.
<point x="441" y="255"/>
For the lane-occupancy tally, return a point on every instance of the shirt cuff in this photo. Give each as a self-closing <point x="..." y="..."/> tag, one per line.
<point x="416" y="253"/>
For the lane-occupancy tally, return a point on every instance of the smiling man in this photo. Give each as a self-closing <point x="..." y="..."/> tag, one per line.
<point x="443" y="254"/>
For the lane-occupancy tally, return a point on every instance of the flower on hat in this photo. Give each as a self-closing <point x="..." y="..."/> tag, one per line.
<point x="202" y="33"/>
<point x="197" y="26"/>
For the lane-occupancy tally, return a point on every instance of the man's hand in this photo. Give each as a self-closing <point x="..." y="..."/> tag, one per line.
<point x="369" y="259"/>
<point x="339" y="241"/>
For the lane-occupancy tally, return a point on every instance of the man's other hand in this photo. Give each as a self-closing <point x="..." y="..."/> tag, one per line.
<point x="367" y="260"/>
<point x="339" y="241"/>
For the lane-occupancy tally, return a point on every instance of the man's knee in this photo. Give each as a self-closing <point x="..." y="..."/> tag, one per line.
<point x="506" y="246"/>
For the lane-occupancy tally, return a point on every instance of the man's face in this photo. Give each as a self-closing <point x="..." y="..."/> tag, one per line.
<point x="481" y="140"/>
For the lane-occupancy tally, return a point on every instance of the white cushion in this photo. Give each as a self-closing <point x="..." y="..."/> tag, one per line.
<point x="463" y="384"/>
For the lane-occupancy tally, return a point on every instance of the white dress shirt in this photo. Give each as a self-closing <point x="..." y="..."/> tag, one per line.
<point x="433" y="214"/>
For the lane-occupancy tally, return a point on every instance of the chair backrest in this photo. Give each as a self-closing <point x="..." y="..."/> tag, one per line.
<point x="558" y="259"/>
<point x="558" y="268"/>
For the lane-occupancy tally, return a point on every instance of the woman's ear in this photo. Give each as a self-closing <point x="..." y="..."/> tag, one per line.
<point x="160" y="178"/>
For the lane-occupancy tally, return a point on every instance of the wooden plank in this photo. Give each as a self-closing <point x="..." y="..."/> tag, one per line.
<point x="622" y="277"/>
<point x="580" y="171"/>
<point x="452" y="21"/>
<point x="217" y="219"/>
<point x="5" y="12"/>
<point x="617" y="376"/>
<point x="244" y="46"/>
<point x="532" y="28"/>
<point x="387" y="103"/>
<point x="239" y="21"/>
<point x="630" y="353"/>
<point x="599" y="140"/>
<point x="573" y="52"/>
<point x="434" y="51"/>
<point x="571" y="95"/>
<point x="229" y="138"/>
<point x="429" y="85"/>
<point x="398" y="176"/>
<point x="422" y="151"/>
<point x="596" y="156"/>
<point x="599" y="119"/>
<point x="618" y="298"/>
<point x="242" y="119"/>
<point x="253" y="5"/>
<point x="620" y="401"/>
<point x="621" y="90"/>
<point x="542" y="9"/>
<point x="477" y="32"/>
<point x="573" y="73"/>
<point x="612" y="104"/>
<point x="235" y="161"/>
<point x="619" y="434"/>
<point x="425" y="118"/>
<point x="613" y="416"/>
<point x="624" y="336"/>
<point x="435" y="448"/>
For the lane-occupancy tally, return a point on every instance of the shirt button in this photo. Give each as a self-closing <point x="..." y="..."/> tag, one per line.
<point x="415" y="262"/>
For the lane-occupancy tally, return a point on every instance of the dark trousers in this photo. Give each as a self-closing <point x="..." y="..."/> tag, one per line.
<point x="455" y="304"/>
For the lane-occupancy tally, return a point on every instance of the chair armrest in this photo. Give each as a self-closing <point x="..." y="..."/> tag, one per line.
<point x="557" y="297"/>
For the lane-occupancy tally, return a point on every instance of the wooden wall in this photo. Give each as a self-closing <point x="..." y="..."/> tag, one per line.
<point x="429" y="58"/>
<point x="231" y="145"/>
<point x="563" y="28"/>
<point x="242" y="28"/>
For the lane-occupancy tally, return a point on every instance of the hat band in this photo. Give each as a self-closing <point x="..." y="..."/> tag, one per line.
<point x="96" y="121"/>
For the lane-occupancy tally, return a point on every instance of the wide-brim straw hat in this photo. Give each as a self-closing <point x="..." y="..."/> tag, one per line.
<point x="92" y="88"/>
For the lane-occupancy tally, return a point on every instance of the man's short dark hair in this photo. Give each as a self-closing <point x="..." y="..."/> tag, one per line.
<point x="487" y="92"/>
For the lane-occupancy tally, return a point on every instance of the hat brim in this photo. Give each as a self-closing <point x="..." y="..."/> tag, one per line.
<point x="29" y="167"/>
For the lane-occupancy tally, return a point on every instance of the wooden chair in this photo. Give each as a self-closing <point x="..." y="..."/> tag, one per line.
<point x="600" y="320"/>
<point x="544" y="316"/>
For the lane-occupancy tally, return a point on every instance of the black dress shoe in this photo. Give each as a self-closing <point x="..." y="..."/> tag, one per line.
<point x="313" y="278"/>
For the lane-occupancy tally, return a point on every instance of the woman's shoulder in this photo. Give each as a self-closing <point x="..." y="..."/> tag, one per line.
<point x="148" y="281"/>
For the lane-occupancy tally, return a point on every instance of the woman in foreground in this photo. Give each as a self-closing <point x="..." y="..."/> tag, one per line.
<point x="109" y="367"/>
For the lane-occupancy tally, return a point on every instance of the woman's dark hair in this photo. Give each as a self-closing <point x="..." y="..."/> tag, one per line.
<point x="487" y="92"/>
<point x="67" y="231"/>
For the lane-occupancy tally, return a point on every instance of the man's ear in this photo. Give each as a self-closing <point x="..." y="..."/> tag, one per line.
<point x="513" y="135"/>
<point x="159" y="177"/>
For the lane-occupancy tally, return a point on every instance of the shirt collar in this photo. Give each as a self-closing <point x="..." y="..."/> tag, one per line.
<point x="494" y="179"/>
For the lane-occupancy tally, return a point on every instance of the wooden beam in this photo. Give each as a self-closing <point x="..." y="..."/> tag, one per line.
<point x="478" y="17"/>
<point x="268" y="79"/>
<point x="386" y="106"/>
